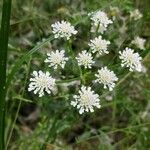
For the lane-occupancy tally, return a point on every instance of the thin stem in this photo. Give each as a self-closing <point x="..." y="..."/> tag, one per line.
<point x="114" y="107"/>
<point x="114" y="112"/>
<point x="97" y="28"/>
<point x="20" y="98"/>
<point x="14" y="122"/>
<point x="71" y="53"/>
<point x="81" y="76"/>
<point x="19" y="105"/>
<point x="116" y="130"/>
<point x="67" y="81"/>
<point x="4" y="34"/>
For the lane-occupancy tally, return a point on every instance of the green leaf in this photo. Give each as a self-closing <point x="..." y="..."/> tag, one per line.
<point x="4" y="34"/>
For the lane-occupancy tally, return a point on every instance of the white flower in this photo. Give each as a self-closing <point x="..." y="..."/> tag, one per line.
<point x="85" y="59"/>
<point x="99" y="45"/>
<point x="100" y="19"/>
<point x="41" y="82"/>
<point x="130" y="59"/>
<point x="139" y="42"/>
<point x="86" y="100"/>
<point x="135" y="14"/>
<point x="56" y="59"/>
<point x="106" y="77"/>
<point x="63" y="29"/>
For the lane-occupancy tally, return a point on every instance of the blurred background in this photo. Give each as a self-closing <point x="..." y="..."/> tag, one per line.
<point x="50" y="122"/>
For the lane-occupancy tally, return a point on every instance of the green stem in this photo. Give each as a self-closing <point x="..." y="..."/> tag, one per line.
<point x="114" y="113"/>
<point x="71" y="53"/>
<point x="97" y="28"/>
<point x="13" y="125"/>
<point x="69" y="49"/>
<point x="19" y="105"/>
<point x="4" y="33"/>
<point x="67" y="81"/>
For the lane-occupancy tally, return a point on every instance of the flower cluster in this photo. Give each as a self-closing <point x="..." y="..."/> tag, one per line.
<point x="106" y="77"/>
<point x="56" y="59"/>
<point x="135" y="14"/>
<point x="41" y="82"/>
<point x="99" y="45"/>
<point x="86" y="99"/>
<point x="85" y="59"/>
<point x="63" y="29"/>
<point x="130" y="59"/>
<point x="139" y="42"/>
<point x="100" y="21"/>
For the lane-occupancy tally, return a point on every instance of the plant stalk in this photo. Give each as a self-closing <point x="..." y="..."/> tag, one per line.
<point x="4" y="34"/>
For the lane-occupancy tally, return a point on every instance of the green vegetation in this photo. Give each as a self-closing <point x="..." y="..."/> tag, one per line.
<point x="3" y="60"/>
<point x="50" y="122"/>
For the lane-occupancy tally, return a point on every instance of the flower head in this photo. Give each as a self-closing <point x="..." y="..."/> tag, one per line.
<point x="114" y="12"/>
<point x="56" y="59"/>
<point x="41" y="82"/>
<point x="130" y="59"/>
<point x="139" y="42"/>
<point x="63" y="29"/>
<point x="100" y="19"/>
<point x="135" y="14"/>
<point x="99" y="45"/>
<point x="86" y="100"/>
<point x="106" y="77"/>
<point x="85" y="59"/>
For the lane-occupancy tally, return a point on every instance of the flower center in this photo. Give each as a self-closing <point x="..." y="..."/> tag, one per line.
<point x="42" y="82"/>
<point x="57" y="59"/>
<point x="130" y="58"/>
<point x="105" y="78"/>
<point x="65" y="29"/>
<point x="85" y="99"/>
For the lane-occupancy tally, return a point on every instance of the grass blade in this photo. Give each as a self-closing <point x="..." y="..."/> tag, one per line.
<point x="4" y="33"/>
